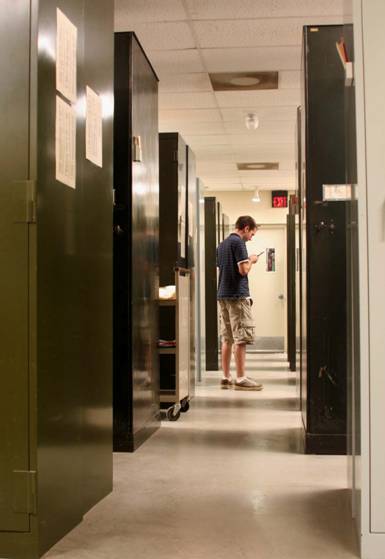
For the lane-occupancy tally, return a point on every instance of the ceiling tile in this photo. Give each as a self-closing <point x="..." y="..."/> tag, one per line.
<point x="186" y="101"/>
<point x="257" y="138"/>
<point x="219" y="140"/>
<point x="162" y="36"/>
<point x="128" y="12"/>
<point x="196" y="115"/>
<point x="285" y="127"/>
<point x="175" y="61"/>
<point x="259" y="98"/>
<point x="219" y="186"/>
<point x="185" y="83"/>
<point x="289" y="79"/>
<point x="247" y="33"/>
<point x="255" y="32"/>
<point x="192" y="128"/>
<point x="247" y="9"/>
<point x="270" y="115"/>
<point x="252" y="59"/>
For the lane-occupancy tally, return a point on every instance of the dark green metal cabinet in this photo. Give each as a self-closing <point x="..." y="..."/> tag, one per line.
<point x="56" y="282"/>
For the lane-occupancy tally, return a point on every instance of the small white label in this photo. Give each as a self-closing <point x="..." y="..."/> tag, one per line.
<point x="337" y="192"/>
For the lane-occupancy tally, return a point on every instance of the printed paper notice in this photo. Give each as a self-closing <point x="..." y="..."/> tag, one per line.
<point x="66" y="59"/>
<point x="94" y="128"/>
<point x="65" y="143"/>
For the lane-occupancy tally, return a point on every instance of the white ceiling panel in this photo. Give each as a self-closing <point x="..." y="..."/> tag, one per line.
<point x="248" y="177"/>
<point x="270" y="115"/>
<point x="128" y="12"/>
<point x="201" y="141"/>
<point x="227" y="178"/>
<point x="289" y="79"/>
<point x="185" y="83"/>
<point x="262" y="187"/>
<point x="247" y="9"/>
<point x="218" y="186"/>
<point x="266" y="98"/>
<point x="285" y="127"/>
<point x="162" y="36"/>
<point x="175" y="61"/>
<point x="210" y="166"/>
<point x="196" y="115"/>
<point x="186" y="100"/>
<point x="262" y="59"/>
<point x="260" y="138"/>
<point x="255" y="32"/>
<point x="193" y="128"/>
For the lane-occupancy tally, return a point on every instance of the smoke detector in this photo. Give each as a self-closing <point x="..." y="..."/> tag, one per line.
<point x="251" y="121"/>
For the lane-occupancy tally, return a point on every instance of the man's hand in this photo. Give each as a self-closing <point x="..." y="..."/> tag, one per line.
<point x="253" y="258"/>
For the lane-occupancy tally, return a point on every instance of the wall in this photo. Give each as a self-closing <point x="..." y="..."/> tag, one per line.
<point x="237" y="203"/>
<point x="269" y="312"/>
<point x="370" y="88"/>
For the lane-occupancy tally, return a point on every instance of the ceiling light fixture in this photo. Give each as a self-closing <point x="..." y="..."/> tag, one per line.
<point x="251" y="121"/>
<point x="256" y="196"/>
<point x="245" y="81"/>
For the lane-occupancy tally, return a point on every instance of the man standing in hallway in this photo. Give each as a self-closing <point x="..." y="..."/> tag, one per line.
<point x="237" y="327"/>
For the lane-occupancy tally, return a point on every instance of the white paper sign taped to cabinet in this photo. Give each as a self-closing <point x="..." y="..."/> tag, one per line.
<point x="94" y="128"/>
<point x="65" y="139"/>
<point x="66" y="56"/>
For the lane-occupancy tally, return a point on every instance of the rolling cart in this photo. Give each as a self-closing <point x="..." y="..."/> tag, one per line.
<point x="174" y="362"/>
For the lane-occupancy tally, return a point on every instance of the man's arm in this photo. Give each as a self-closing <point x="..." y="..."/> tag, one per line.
<point x="245" y="266"/>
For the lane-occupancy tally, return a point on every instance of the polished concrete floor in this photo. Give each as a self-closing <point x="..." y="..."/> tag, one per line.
<point x="226" y="481"/>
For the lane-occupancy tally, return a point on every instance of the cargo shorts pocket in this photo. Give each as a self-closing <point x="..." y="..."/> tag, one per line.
<point x="244" y="324"/>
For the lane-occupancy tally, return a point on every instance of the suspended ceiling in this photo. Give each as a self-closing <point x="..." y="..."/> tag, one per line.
<point x="187" y="39"/>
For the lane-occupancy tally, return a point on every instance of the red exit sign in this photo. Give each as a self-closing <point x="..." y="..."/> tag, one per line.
<point x="279" y="198"/>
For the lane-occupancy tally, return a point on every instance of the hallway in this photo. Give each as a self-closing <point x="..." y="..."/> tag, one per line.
<point x="227" y="481"/>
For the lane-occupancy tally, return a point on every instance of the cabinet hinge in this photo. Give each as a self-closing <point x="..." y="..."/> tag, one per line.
<point x="24" y="201"/>
<point x="24" y="492"/>
<point x="175" y="156"/>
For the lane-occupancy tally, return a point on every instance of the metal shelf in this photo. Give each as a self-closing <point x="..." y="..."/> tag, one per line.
<point x="167" y="302"/>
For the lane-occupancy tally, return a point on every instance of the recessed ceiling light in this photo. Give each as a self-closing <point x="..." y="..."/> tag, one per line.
<point x="257" y="166"/>
<point x="245" y="81"/>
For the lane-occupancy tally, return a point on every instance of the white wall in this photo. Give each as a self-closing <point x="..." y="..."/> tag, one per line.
<point x="238" y="203"/>
<point x="269" y="311"/>
<point x="369" y="16"/>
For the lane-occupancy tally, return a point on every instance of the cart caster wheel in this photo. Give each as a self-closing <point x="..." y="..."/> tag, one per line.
<point x="172" y="415"/>
<point x="184" y="406"/>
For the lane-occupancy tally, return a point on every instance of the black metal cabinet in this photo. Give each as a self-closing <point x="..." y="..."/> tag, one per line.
<point x="192" y="258"/>
<point x="213" y="234"/>
<point x="136" y="239"/>
<point x="324" y="377"/>
<point x="173" y="227"/>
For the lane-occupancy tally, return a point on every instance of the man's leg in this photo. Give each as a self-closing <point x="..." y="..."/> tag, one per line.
<point x="240" y="359"/>
<point x="226" y="358"/>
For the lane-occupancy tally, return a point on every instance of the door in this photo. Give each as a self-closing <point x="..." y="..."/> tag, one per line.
<point x="14" y="329"/>
<point x="267" y="281"/>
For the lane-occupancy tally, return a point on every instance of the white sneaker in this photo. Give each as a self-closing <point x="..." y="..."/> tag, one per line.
<point x="247" y="384"/>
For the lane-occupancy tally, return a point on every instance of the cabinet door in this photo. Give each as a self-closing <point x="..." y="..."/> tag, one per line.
<point x="14" y="331"/>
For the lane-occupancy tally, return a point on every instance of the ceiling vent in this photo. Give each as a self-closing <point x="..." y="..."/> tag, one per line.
<point x="258" y="166"/>
<point x="244" y="81"/>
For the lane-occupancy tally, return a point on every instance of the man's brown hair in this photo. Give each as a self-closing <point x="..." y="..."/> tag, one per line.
<point x="245" y="221"/>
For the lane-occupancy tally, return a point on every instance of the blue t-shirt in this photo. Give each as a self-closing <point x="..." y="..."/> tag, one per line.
<point x="232" y="285"/>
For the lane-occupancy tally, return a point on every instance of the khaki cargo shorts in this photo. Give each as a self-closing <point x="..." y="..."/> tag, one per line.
<point x="237" y="325"/>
